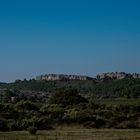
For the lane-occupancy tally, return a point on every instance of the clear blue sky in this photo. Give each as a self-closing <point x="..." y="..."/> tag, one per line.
<point x="68" y="36"/>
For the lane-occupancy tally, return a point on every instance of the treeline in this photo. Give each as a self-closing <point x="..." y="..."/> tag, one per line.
<point x="109" y="88"/>
<point x="67" y="107"/>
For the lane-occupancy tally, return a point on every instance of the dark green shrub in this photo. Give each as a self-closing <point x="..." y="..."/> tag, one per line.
<point x="26" y="105"/>
<point x="32" y="130"/>
<point x="127" y="125"/>
<point x="67" y="97"/>
<point x="43" y="123"/>
<point x="3" y="125"/>
<point x="90" y="124"/>
<point x="131" y="125"/>
<point x="100" y="122"/>
<point x="13" y="126"/>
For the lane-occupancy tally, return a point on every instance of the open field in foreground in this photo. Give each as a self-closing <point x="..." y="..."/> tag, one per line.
<point x="75" y="134"/>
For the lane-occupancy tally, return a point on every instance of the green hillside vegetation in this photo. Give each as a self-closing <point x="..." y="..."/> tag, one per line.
<point x="109" y="88"/>
<point x="90" y="104"/>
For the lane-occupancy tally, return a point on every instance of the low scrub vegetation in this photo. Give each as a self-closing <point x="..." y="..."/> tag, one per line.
<point x="68" y="107"/>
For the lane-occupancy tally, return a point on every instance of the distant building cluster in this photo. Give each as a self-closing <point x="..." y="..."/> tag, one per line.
<point x="112" y="75"/>
<point x="118" y="75"/>
<point x="58" y="77"/>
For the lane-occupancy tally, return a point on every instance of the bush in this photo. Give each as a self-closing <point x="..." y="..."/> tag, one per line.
<point x="32" y="130"/>
<point x="3" y="125"/>
<point x="67" y="97"/>
<point x="90" y="124"/>
<point x="43" y="123"/>
<point x="127" y="125"/>
<point x="13" y="126"/>
<point x="26" y="105"/>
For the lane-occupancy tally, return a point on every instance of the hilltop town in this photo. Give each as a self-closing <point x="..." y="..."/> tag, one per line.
<point x="118" y="75"/>
<point x="55" y="77"/>
<point x="111" y="75"/>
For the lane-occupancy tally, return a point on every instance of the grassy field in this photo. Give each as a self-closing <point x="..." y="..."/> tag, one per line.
<point x="75" y="134"/>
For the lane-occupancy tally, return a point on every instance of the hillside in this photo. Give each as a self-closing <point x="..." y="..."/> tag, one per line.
<point x="106" y="103"/>
<point x="108" y="88"/>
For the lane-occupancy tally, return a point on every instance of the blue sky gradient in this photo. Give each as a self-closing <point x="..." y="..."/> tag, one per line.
<point x="68" y="36"/>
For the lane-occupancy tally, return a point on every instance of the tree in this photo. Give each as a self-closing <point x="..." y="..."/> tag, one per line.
<point x="67" y="97"/>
